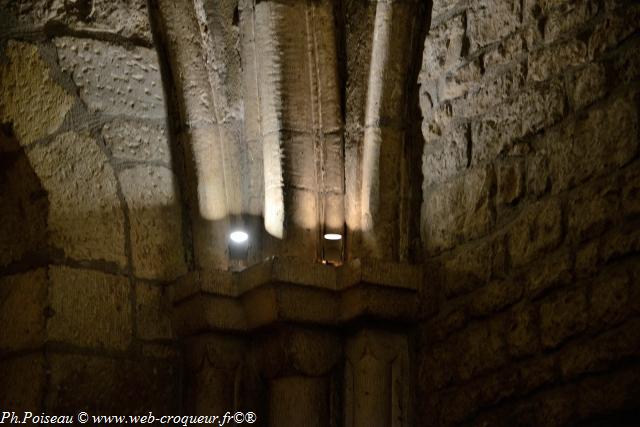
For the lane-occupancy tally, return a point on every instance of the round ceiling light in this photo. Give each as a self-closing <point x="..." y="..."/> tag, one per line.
<point x="239" y="236"/>
<point x="333" y="236"/>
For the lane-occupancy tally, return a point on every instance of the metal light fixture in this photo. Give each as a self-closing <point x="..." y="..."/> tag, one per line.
<point x="239" y="236"/>
<point x="333" y="236"/>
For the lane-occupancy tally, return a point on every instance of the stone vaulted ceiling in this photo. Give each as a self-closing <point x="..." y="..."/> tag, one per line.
<point x="295" y="119"/>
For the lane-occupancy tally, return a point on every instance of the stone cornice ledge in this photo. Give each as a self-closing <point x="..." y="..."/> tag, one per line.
<point x="295" y="291"/>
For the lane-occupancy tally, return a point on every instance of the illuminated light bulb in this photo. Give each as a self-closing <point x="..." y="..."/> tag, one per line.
<point x="239" y="236"/>
<point x="333" y="236"/>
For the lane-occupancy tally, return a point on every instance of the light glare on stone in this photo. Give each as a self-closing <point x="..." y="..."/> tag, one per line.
<point x="333" y="236"/>
<point x="239" y="236"/>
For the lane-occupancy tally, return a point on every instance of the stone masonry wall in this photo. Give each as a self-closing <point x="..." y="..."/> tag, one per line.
<point x="90" y="217"/>
<point x="531" y="220"/>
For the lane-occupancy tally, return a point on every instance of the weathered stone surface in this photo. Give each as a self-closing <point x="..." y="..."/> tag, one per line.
<point x="22" y="310"/>
<point x="606" y="138"/>
<point x="489" y="21"/>
<point x="31" y="100"/>
<point x="601" y="352"/>
<point x="616" y="27"/>
<point x="569" y="17"/>
<point x="137" y="141"/>
<point x="445" y="156"/>
<point x="132" y="387"/>
<point x="589" y="85"/>
<point x="22" y="382"/>
<point x="153" y="312"/>
<point x="538" y="229"/>
<point x="112" y="79"/>
<point x="85" y="213"/>
<point x="443" y="48"/>
<point x="592" y="210"/>
<point x="562" y="316"/>
<point x="468" y="269"/>
<point x="156" y="221"/>
<point x="522" y="332"/>
<point x="609" y="298"/>
<point x="128" y="18"/>
<point x="481" y="347"/>
<point x="556" y="59"/>
<point x="551" y="272"/>
<point x="89" y="308"/>
<point x="502" y="126"/>
<point x="458" y="210"/>
<point x="510" y="181"/>
<point x="508" y="50"/>
<point x="23" y="211"/>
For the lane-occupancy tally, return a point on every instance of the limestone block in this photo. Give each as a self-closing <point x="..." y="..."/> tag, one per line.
<point x="550" y="272"/>
<point x="137" y="141"/>
<point x="445" y="156"/>
<point x="522" y="333"/>
<point x="85" y="213"/>
<point x="128" y="18"/>
<point x="494" y="297"/>
<point x="510" y="182"/>
<point x="153" y="312"/>
<point x="589" y="84"/>
<point x="609" y="298"/>
<point x="537" y="230"/>
<point x="569" y="17"/>
<point x="458" y="210"/>
<point x="443" y="48"/>
<point x="112" y="79"/>
<point x="508" y="50"/>
<point x="22" y="382"/>
<point x="616" y="26"/>
<point x="299" y="401"/>
<point x="592" y="210"/>
<point x="22" y="310"/>
<point x="127" y="387"/>
<point x="23" y="211"/>
<point x="467" y="269"/>
<point x="31" y="99"/>
<point x="562" y="316"/>
<point x="556" y="59"/>
<point x="89" y="309"/>
<point x="481" y="347"/>
<point x="604" y="139"/>
<point x="490" y="21"/>
<point x="156" y="221"/>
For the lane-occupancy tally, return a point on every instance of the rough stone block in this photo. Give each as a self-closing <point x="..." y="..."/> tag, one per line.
<point x="507" y="51"/>
<point x="616" y="27"/>
<point x="23" y="211"/>
<point x="480" y="347"/>
<point x="552" y="271"/>
<point x="468" y="269"/>
<point x="602" y="352"/>
<point x="153" y="310"/>
<point x="85" y="213"/>
<point x="592" y="209"/>
<point x="562" y="316"/>
<point x="458" y="210"/>
<point x="490" y="21"/>
<point x="89" y="308"/>
<point x="494" y="297"/>
<point x="137" y="141"/>
<point x="609" y="298"/>
<point x="569" y="17"/>
<point x="22" y="310"/>
<point x="445" y="156"/>
<point x="589" y="85"/>
<point x="537" y="230"/>
<point x="522" y="331"/>
<point x="443" y="48"/>
<point x="127" y="18"/>
<point x="112" y="79"/>
<point x="22" y="383"/>
<point x="156" y="221"/>
<point x="556" y="59"/>
<point x="631" y="191"/>
<point x="603" y="140"/>
<point x="31" y="99"/>
<point x="510" y="182"/>
<point x="127" y="387"/>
